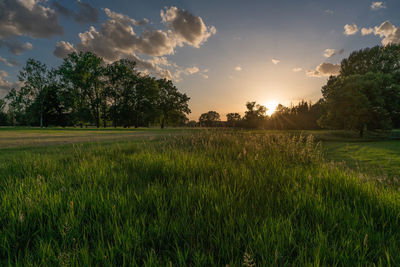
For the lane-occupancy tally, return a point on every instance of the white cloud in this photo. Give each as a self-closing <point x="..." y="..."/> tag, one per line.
<point x="118" y="37"/>
<point x="389" y="33"/>
<point x="186" y="27"/>
<point x="297" y="69"/>
<point x="329" y="11"/>
<point x="329" y="52"/>
<point x="377" y="5"/>
<point x="350" y="29"/>
<point x="366" y="31"/>
<point x="238" y="68"/>
<point x="205" y="76"/>
<point x="275" y="61"/>
<point x="192" y="70"/>
<point x="324" y="69"/>
<point x="63" y="49"/>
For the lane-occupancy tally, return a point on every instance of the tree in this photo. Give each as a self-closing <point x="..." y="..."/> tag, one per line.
<point x="366" y="93"/>
<point x="3" y="114"/>
<point x="254" y="115"/>
<point x="34" y="77"/>
<point x="232" y="119"/>
<point x="83" y="74"/>
<point x="209" y="119"/>
<point x="170" y="101"/>
<point x="356" y="102"/>
<point x="121" y="81"/>
<point x="145" y="100"/>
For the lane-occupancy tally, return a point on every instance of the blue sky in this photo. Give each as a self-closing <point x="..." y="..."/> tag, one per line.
<point x="224" y="65"/>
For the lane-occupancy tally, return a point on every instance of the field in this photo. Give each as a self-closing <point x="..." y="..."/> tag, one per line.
<point x="198" y="198"/>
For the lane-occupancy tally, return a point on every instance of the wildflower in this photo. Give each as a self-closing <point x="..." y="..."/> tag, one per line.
<point x="248" y="260"/>
<point x="21" y="217"/>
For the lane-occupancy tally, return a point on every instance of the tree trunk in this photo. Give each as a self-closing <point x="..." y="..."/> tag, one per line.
<point x="41" y="114"/>
<point x="162" y="123"/>
<point x="41" y="119"/>
<point x="98" y="119"/>
<point x="361" y="132"/>
<point x="137" y="121"/>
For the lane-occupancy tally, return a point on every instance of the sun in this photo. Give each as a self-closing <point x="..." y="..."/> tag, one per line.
<point x="271" y="106"/>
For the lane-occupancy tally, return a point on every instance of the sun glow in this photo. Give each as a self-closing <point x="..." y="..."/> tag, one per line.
<point x="271" y="106"/>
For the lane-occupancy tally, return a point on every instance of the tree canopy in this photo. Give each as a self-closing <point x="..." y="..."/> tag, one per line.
<point x="85" y="90"/>
<point x="366" y="93"/>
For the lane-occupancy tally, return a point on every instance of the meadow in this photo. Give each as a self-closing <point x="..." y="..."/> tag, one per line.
<point x="197" y="198"/>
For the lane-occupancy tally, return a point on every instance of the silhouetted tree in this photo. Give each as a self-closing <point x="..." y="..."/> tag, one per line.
<point x="209" y="119"/>
<point x="255" y="115"/>
<point x="233" y="119"/>
<point x="170" y="101"/>
<point x="369" y="84"/>
<point x="3" y="114"/>
<point x="356" y="102"/>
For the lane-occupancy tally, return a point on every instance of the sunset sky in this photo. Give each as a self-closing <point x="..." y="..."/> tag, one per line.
<point x="222" y="53"/>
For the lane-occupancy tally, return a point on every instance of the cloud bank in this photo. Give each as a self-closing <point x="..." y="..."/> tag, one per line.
<point x="121" y="36"/>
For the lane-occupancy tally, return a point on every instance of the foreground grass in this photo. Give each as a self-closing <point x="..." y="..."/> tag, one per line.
<point x="208" y="198"/>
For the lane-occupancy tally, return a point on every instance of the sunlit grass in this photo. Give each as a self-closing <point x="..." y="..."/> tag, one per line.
<point x="201" y="199"/>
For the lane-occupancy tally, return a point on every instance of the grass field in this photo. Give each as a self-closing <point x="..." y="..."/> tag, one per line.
<point x="198" y="198"/>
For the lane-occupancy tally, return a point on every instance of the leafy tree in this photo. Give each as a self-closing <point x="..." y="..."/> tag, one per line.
<point x="145" y="100"/>
<point x="209" y="119"/>
<point x="122" y="78"/>
<point x="3" y="114"/>
<point x="191" y="124"/>
<point x="233" y="119"/>
<point x="171" y="102"/>
<point x="372" y="75"/>
<point x="34" y="77"/>
<point x="83" y="74"/>
<point x="356" y="102"/>
<point x="255" y="114"/>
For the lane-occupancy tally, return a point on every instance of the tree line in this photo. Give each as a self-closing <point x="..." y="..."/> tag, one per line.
<point x="303" y="115"/>
<point x="364" y="96"/>
<point x="84" y="90"/>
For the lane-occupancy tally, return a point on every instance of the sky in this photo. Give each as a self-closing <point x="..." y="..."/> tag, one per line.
<point x="222" y="53"/>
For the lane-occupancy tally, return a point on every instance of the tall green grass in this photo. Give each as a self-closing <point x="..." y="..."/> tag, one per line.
<point x="203" y="199"/>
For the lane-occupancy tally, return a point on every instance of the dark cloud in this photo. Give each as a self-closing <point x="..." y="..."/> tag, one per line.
<point x="16" y="47"/>
<point x="28" y="17"/>
<point x="85" y="14"/>
<point x="9" y="62"/>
